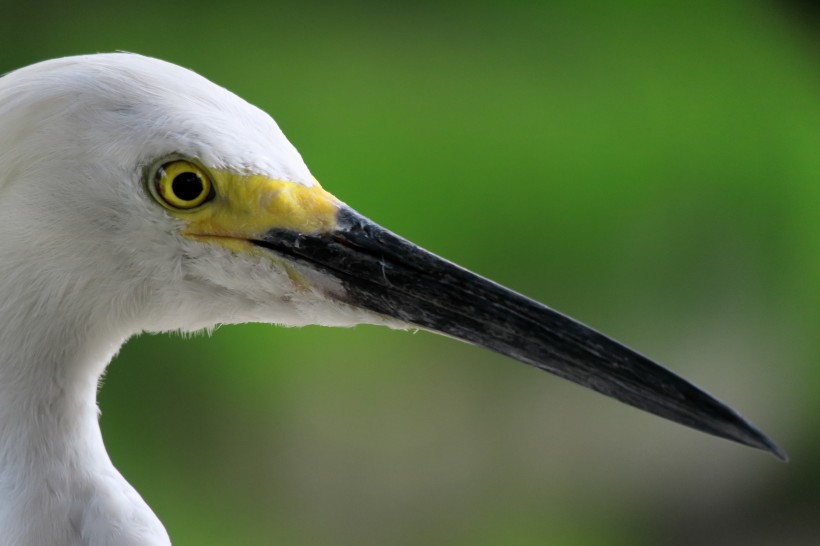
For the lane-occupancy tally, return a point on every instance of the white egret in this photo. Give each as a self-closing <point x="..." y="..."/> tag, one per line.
<point x="136" y="196"/>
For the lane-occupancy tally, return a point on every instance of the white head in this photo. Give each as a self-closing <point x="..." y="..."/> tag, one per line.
<point x="81" y="144"/>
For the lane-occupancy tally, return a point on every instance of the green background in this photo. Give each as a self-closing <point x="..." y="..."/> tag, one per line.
<point x="649" y="168"/>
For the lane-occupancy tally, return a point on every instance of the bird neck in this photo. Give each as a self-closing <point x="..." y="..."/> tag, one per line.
<point x="48" y="386"/>
<point x="57" y="482"/>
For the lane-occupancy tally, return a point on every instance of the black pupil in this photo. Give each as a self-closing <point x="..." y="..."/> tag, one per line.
<point x="187" y="186"/>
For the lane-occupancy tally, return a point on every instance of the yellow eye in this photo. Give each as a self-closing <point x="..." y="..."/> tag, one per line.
<point x="183" y="185"/>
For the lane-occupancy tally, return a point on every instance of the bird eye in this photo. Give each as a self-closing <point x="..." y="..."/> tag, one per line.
<point x="183" y="185"/>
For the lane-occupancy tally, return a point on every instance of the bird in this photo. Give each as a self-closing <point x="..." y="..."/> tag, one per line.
<point x="138" y="196"/>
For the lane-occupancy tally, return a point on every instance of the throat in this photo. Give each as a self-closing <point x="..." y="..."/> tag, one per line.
<point x="48" y="391"/>
<point x="57" y="482"/>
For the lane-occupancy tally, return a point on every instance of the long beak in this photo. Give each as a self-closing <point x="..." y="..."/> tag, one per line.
<point x="387" y="274"/>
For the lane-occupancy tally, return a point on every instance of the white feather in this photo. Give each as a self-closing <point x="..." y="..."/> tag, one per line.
<point x="87" y="260"/>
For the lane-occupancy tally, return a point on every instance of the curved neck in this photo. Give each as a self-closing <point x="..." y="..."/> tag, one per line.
<point x="48" y="387"/>
<point x="57" y="482"/>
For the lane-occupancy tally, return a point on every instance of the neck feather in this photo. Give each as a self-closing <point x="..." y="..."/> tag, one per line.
<point x="57" y="482"/>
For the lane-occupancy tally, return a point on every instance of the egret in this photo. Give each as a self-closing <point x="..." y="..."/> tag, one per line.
<point x="137" y="196"/>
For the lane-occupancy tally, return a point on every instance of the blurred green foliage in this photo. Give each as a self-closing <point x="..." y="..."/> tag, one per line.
<point x="649" y="168"/>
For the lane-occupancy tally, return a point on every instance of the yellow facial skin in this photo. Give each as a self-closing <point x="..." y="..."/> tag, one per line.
<point x="245" y="207"/>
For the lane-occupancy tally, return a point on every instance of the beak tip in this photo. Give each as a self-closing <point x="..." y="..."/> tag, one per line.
<point x="774" y="449"/>
<point x="751" y="436"/>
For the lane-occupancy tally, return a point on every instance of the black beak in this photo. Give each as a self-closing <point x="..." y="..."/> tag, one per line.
<point x="386" y="274"/>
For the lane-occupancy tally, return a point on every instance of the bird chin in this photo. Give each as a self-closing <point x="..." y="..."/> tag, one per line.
<point x="231" y="281"/>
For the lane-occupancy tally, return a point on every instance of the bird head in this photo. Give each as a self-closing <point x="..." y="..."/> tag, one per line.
<point x="156" y="200"/>
<point x="158" y="188"/>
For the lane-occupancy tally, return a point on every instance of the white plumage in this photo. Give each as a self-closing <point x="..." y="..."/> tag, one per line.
<point x="87" y="260"/>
